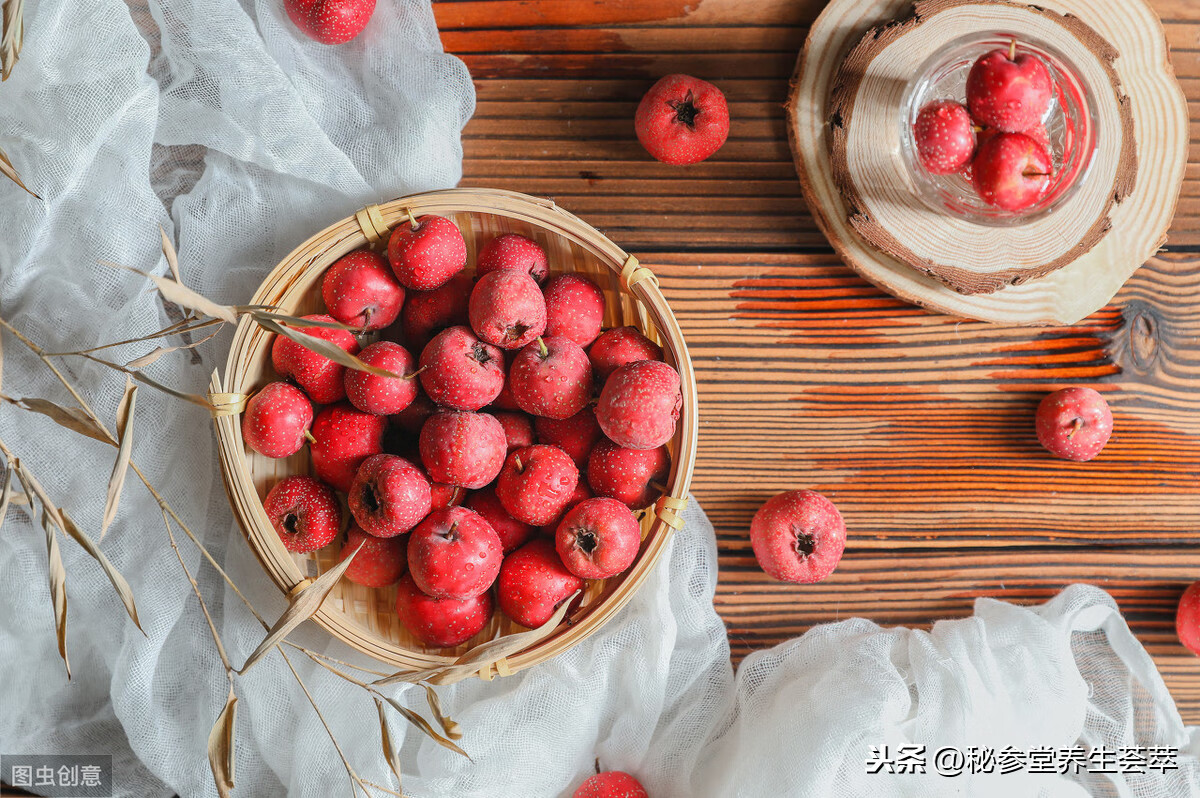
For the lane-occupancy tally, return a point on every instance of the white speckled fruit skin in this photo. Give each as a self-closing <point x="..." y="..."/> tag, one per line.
<point x="359" y="289"/>
<point x="461" y="372"/>
<point x="318" y="516"/>
<point x="618" y="346"/>
<point x="627" y="474"/>
<point x="1056" y="417"/>
<point x="775" y="528"/>
<point x="536" y="483"/>
<point x="507" y="309"/>
<point x="616" y="533"/>
<point x="454" y="554"/>
<point x="533" y="582"/>
<point x="343" y="438"/>
<point x="640" y="404"/>
<point x="276" y="419"/>
<point x="574" y="308"/>
<point x="401" y="494"/>
<point x="428" y="255"/>
<point x="463" y="448"/>
<point x="373" y="393"/>
<point x="557" y="384"/>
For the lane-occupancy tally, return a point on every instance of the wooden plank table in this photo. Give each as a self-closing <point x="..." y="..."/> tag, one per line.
<point x="918" y="426"/>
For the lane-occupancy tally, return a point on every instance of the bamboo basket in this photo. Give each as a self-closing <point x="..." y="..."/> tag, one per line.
<point x="365" y="618"/>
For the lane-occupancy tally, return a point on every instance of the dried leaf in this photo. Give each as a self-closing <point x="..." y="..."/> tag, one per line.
<point x="423" y="725"/>
<point x="1" y="359"/>
<point x="468" y="664"/>
<point x="5" y="494"/>
<point x="34" y="488"/>
<point x="221" y="748"/>
<point x="116" y="480"/>
<point x="13" y="27"/>
<point x="391" y="752"/>
<point x="73" y="418"/>
<point x="302" y="607"/>
<point x="58" y="574"/>
<point x="150" y="357"/>
<point x="322" y="347"/>
<point x="452" y="729"/>
<point x="183" y="296"/>
<point x="259" y="313"/>
<point x="118" y="582"/>
<point x="58" y="590"/>
<point x="8" y="170"/>
<point x="194" y="398"/>
<point x="172" y="258"/>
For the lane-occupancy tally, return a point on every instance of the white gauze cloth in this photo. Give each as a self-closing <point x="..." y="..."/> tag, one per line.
<point x="218" y="121"/>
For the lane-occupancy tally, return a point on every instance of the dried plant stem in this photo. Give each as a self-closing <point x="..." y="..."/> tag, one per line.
<point x="328" y="658"/>
<point x="354" y="779"/>
<point x="37" y="350"/>
<point x="212" y="627"/>
<point x="169" y="514"/>
<point x="178" y="328"/>
<point x="335" y="671"/>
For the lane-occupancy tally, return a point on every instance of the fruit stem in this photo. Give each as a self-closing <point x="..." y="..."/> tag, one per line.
<point x="1076" y="425"/>
<point x="1036" y="174"/>
<point x="1012" y="50"/>
<point x="452" y="532"/>
<point x="414" y="374"/>
<point x="367" y="313"/>
<point x="542" y="347"/>
<point x="308" y="436"/>
<point x="517" y="462"/>
<point x="658" y="486"/>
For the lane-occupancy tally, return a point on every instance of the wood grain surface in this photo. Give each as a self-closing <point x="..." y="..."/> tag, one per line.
<point x="918" y="426"/>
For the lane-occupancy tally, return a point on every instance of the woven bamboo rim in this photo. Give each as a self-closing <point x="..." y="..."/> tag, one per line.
<point x="634" y="298"/>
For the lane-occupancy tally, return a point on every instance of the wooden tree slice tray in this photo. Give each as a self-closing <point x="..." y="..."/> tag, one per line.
<point x="962" y="268"/>
<point x="868" y="102"/>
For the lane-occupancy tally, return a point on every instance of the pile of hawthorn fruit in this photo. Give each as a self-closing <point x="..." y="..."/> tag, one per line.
<point x="998" y="140"/>
<point x="487" y="460"/>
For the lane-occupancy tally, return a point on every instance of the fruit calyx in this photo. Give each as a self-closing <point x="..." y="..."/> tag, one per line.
<point x="685" y="110"/>
<point x="806" y="545"/>
<point x="370" y="500"/>
<point x="291" y="522"/>
<point x="480" y="354"/>
<point x="516" y="331"/>
<point x="586" y="541"/>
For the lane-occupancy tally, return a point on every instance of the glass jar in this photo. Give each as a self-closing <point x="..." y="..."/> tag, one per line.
<point x="1069" y="122"/>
